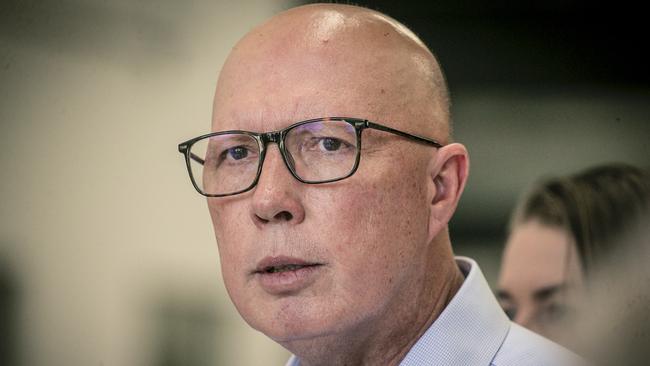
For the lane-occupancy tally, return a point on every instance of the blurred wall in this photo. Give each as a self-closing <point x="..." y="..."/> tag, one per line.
<point x="108" y="249"/>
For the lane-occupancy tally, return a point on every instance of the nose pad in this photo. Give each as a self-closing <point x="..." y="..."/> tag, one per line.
<point x="291" y="164"/>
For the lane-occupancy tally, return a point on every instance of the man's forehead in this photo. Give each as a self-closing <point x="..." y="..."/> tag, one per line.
<point x="268" y="115"/>
<point x="290" y="90"/>
<point x="319" y="61"/>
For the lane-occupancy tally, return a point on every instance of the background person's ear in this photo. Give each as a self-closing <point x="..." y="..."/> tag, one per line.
<point x="448" y="176"/>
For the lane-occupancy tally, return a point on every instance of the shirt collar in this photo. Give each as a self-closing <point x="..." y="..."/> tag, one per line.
<point x="469" y="331"/>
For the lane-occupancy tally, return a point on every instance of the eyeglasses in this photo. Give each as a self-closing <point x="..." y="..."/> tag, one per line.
<point x="315" y="151"/>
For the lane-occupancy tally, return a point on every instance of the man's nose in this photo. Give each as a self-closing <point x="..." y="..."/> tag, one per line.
<point x="276" y="197"/>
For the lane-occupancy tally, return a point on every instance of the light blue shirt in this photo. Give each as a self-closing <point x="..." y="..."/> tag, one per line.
<point x="474" y="330"/>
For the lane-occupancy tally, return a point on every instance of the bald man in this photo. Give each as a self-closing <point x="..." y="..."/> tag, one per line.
<point x="331" y="176"/>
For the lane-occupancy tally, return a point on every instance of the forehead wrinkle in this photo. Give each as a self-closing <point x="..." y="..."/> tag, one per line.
<point x="256" y="119"/>
<point x="259" y="117"/>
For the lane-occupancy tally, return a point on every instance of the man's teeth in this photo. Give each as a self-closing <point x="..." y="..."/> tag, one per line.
<point x="284" y="268"/>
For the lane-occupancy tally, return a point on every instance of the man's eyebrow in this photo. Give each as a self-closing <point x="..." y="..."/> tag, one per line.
<point x="546" y="292"/>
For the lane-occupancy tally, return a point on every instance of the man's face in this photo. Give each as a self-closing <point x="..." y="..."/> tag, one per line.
<point x="301" y="261"/>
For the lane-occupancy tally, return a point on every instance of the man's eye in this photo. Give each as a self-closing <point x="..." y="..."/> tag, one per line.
<point x="237" y="153"/>
<point x="330" y="144"/>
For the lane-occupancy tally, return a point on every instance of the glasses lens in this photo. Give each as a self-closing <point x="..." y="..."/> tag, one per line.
<point x="224" y="164"/>
<point x="323" y="150"/>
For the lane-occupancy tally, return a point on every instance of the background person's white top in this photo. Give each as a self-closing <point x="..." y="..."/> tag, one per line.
<point x="473" y="330"/>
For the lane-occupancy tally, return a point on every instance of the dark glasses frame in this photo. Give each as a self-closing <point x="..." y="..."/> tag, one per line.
<point x="279" y="136"/>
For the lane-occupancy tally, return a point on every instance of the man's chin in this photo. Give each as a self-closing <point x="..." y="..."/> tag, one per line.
<point x="294" y="328"/>
<point x="295" y="331"/>
<point x="294" y="318"/>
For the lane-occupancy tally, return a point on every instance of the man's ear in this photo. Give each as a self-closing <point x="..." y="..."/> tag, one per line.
<point x="448" y="175"/>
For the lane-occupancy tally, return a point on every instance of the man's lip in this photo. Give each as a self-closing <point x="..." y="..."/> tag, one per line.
<point x="270" y="262"/>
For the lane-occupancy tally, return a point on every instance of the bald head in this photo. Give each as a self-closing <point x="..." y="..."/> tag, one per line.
<point x="329" y="59"/>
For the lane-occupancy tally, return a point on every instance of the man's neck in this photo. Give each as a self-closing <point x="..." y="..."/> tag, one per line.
<point x="372" y="345"/>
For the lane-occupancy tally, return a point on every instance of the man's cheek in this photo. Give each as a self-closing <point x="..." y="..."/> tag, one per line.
<point x="363" y="231"/>
<point x="353" y="214"/>
<point x="229" y="221"/>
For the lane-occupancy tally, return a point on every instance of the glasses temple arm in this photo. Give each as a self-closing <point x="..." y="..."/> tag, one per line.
<point x="417" y="138"/>
<point x="197" y="159"/>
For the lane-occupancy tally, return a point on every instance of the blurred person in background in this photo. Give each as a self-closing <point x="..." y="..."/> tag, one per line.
<point x="561" y="233"/>
<point x="332" y="231"/>
<point x="613" y="326"/>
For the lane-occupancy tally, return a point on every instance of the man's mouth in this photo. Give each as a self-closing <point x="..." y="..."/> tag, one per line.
<point x="286" y="275"/>
<point x="270" y="265"/>
<point x="285" y="268"/>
